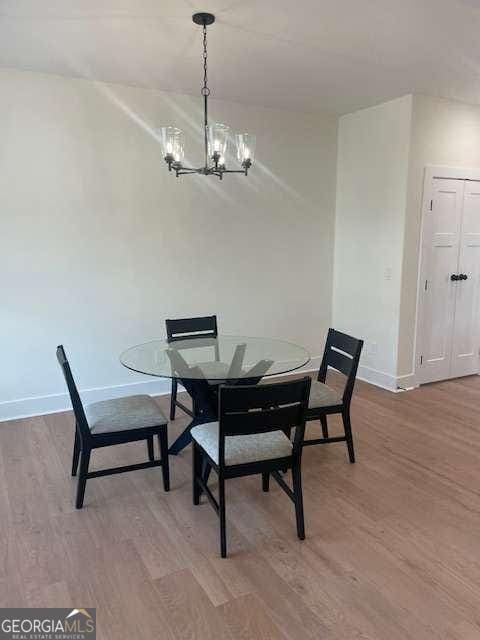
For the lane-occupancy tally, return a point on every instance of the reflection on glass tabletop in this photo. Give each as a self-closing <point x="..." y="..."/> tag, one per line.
<point x="215" y="359"/>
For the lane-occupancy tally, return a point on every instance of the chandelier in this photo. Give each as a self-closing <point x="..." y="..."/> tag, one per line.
<point x="216" y="135"/>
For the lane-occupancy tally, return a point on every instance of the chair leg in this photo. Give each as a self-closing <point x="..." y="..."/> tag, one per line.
<point x="223" y="522"/>
<point x="206" y="470"/>
<point x="76" y="453"/>
<point x="173" y="399"/>
<point x="265" y="481"/>
<point x="298" y="499"/>
<point x="82" y="478"/>
<point x="348" y="435"/>
<point x="151" y="453"/>
<point x="163" y="441"/>
<point x="323" y="422"/>
<point x="288" y="433"/>
<point x="196" y="471"/>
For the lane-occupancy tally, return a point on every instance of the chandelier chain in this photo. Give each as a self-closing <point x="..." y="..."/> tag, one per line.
<point x="205" y="89"/>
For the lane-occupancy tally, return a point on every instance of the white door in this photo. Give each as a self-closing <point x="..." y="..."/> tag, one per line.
<point x="440" y="251"/>
<point x="466" y="333"/>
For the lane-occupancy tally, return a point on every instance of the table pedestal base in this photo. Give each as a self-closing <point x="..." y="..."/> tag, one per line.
<point x="204" y="403"/>
<point x="204" y="397"/>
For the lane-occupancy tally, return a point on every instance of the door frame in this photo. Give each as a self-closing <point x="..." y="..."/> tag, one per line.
<point x="432" y="172"/>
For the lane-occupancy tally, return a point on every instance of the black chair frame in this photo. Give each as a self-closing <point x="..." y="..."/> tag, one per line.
<point x="188" y="329"/>
<point x="342" y="353"/>
<point x="85" y="441"/>
<point x="246" y="410"/>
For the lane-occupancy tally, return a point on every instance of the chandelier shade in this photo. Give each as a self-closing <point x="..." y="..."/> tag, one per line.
<point x="217" y="140"/>
<point x="245" y="147"/>
<point x="173" y="144"/>
<point x="216" y="135"/>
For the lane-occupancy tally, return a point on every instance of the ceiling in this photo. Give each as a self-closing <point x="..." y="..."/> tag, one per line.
<point x="310" y="55"/>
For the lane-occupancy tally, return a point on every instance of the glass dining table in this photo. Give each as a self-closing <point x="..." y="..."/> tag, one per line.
<point x="202" y="364"/>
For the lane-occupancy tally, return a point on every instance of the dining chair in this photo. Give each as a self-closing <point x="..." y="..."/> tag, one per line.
<point x="342" y="353"/>
<point x="110" y="422"/>
<point x="188" y="329"/>
<point x="250" y="437"/>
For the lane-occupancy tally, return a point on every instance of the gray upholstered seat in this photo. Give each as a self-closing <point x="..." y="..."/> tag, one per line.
<point x="321" y="395"/>
<point x="121" y="414"/>
<point x="242" y="449"/>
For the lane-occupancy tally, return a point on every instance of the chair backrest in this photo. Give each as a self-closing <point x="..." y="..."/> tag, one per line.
<point x="77" y="405"/>
<point x="342" y="353"/>
<point x="250" y="409"/>
<point x="186" y="328"/>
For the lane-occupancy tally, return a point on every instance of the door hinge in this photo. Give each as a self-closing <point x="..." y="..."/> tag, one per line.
<point x="431" y="205"/>
<point x="421" y="359"/>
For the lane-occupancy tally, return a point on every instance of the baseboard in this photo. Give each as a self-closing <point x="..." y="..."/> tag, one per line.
<point x="396" y="384"/>
<point x="407" y="382"/>
<point x="377" y="378"/>
<point x="54" y="403"/>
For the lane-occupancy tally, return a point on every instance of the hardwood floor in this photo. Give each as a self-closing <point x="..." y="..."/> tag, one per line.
<point x="392" y="549"/>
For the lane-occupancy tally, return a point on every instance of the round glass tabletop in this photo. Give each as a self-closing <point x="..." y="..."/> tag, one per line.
<point x="215" y="359"/>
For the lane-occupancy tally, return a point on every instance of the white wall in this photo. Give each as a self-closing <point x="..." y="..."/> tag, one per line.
<point x="444" y="132"/>
<point x="99" y="243"/>
<point x="372" y="171"/>
<point x="382" y="155"/>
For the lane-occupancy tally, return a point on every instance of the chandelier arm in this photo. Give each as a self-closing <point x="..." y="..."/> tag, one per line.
<point x="244" y="171"/>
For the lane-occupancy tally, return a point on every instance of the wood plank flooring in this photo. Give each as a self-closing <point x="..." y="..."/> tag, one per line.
<point x="392" y="549"/>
